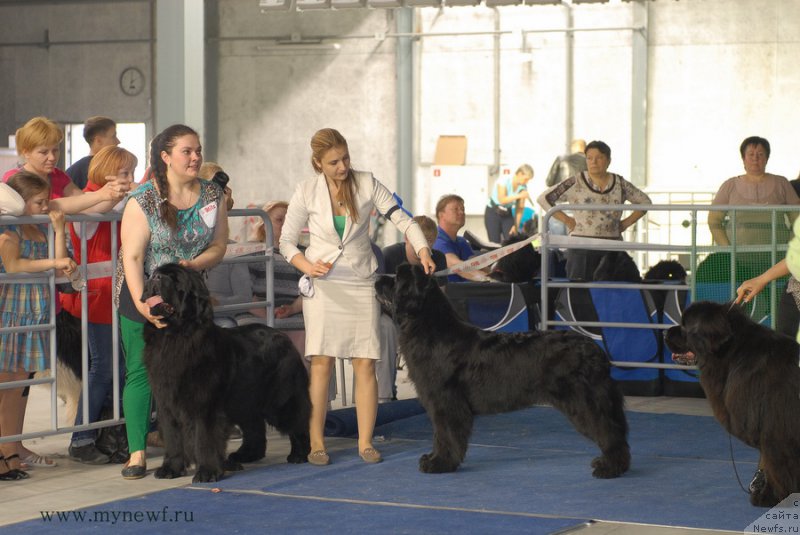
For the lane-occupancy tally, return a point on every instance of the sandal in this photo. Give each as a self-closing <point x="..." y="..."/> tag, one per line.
<point x="319" y="458"/>
<point x="38" y="461"/>
<point x="18" y="471"/>
<point x="371" y="455"/>
<point x="11" y="474"/>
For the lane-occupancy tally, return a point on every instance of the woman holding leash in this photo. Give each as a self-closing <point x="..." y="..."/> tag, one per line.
<point x="339" y="306"/>
<point x="174" y="218"/>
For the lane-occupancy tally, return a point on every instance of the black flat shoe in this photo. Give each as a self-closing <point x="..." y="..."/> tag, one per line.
<point x="134" y="471"/>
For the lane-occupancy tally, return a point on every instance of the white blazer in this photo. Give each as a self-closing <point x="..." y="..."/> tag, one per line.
<point x="311" y="205"/>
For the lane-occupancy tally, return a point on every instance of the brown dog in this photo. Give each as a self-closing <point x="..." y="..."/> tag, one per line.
<point x="751" y="378"/>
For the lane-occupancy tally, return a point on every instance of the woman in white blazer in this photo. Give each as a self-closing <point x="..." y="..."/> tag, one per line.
<point x="339" y="307"/>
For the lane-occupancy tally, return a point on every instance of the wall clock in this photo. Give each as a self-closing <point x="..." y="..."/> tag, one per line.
<point x="131" y="81"/>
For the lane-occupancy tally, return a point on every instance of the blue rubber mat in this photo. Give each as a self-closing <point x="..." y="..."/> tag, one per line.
<point x="194" y="511"/>
<point x="525" y="472"/>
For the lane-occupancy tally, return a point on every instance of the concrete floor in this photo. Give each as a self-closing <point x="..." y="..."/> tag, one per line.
<point x="71" y="485"/>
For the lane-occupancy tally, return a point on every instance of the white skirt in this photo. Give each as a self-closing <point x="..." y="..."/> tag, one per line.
<point x="342" y="318"/>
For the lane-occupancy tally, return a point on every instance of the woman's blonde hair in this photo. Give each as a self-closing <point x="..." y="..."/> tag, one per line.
<point x="208" y="170"/>
<point x="37" y="132"/>
<point x="261" y="232"/>
<point x="107" y="162"/>
<point x="323" y="141"/>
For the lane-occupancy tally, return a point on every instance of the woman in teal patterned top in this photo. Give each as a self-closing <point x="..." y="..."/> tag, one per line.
<point x="174" y="218"/>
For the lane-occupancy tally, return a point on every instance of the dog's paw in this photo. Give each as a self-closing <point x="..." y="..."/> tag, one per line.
<point x="206" y="475"/>
<point x="606" y="469"/>
<point x="166" y="472"/>
<point x="232" y="466"/>
<point x="764" y="497"/>
<point x="241" y="456"/>
<point x="431" y="464"/>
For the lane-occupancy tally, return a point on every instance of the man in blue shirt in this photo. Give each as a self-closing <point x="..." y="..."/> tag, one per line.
<point x="451" y="218"/>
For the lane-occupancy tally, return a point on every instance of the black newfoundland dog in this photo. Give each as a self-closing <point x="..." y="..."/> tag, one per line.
<point x="460" y="371"/>
<point x="751" y="378"/>
<point x="206" y="378"/>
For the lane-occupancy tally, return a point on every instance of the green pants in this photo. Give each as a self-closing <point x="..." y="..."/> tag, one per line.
<point x="137" y="394"/>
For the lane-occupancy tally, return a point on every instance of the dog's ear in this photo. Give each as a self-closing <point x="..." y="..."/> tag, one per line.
<point x="422" y="281"/>
<point x="707" y="327"/>
<point x="193" y="296"/>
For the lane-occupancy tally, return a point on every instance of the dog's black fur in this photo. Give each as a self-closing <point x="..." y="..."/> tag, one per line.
<point x="751" y="378"/>
<point x="460" y="371"/>
<point x="666" y="270"/>
<point x="520" y="266"/>
<point x="617" y="266"/>
<point x="206" y="378"/>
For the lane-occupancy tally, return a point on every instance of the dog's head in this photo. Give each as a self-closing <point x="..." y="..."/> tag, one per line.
<point x="178" y="294"/>
<point x="666" y="270"/>
<point x="520" y="266"/>
<point x="617" y="266"/>
<point x="407" y="292"/>
<point x="705" y="328"/>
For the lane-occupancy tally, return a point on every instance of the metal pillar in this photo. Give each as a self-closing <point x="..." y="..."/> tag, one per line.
<point x="405" y="108"/>
<point x="180" y="64"/>
<point x="639" y="94"/>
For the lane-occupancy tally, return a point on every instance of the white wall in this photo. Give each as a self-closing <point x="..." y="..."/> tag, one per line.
<point x="69" y="82"/>
<point x="272" y="101"/>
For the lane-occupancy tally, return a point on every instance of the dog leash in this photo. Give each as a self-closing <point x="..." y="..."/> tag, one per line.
<point x="733" y="462"/>
<point x="486" y="259"/>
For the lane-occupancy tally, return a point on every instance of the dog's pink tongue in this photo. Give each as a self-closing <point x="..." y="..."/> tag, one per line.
<point x="153" y="301"/>
<point x="684" y="358"/>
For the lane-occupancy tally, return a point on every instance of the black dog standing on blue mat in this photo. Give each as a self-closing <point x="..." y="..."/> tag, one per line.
<point x="206" y="378"/>
<point x="751" y="378"/>
<point x="460" y="371"/>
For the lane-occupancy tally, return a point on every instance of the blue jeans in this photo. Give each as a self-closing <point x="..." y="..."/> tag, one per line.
<point x="100" y="380"/>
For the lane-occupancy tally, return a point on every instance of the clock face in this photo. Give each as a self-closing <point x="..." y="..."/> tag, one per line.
<point x="131" y="81"/>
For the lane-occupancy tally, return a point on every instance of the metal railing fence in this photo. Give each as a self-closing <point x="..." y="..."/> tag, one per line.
<point x="106" y="270"/>
<point x="694" y="244"/>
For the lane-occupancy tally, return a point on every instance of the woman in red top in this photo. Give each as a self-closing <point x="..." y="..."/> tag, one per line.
<point x="39" y="145"/>
<point x="109" y="164"/>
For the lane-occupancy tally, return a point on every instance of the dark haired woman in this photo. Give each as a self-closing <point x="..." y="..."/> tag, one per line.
<point x="174" y="218"/>
<point x="593" y="186"/>
<point x="755" y="186"/>
<point x="341" y="312"/>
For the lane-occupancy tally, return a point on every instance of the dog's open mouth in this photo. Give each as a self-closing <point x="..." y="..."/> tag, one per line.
<point x="686" y="359"/>
<point x="158" y="306"/>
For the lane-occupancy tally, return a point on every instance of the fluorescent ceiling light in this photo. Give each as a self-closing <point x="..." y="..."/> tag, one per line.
<point x="274" y="5"/>
<point x="312" y="4"/>
<point x="337" y="4"/>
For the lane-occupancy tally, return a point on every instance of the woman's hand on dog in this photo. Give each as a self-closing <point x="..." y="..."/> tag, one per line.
<point x="428" y="265"/>
<point x="144" y="310"/>
<point x="188" y="264"/>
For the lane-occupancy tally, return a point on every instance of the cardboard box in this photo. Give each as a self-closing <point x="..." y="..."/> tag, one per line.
<point x="450" y="150"/>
